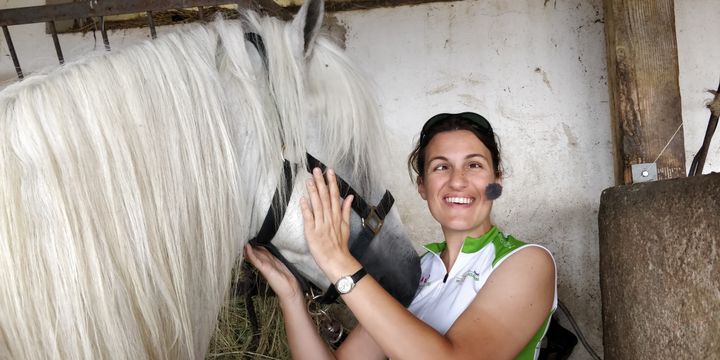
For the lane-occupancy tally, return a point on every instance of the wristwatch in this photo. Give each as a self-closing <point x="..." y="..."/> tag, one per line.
<point x="347" y="282"/>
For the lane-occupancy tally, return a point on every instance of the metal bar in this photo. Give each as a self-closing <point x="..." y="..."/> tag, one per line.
<point x="151" y="23"/>
<point x="696" y="168"/>
<point x="83" y="9"/>
<point x="274" y="9"/>
<point x="10" y="46"/>
<point x="106" y="41"/>
<point x="56" y="41"/>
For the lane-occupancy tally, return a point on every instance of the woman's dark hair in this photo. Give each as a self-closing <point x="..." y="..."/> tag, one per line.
<point x="473" y="122"/>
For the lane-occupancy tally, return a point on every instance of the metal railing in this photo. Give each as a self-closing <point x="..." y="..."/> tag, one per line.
<point x="102" y="8"/>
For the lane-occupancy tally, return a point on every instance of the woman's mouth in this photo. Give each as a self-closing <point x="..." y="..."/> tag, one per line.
<point x="458" y="200"/>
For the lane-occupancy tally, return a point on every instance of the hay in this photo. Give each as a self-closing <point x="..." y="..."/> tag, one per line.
<point x="233" y="338"/>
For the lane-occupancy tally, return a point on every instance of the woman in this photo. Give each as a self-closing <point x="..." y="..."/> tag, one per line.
<point x="495" y="300"/>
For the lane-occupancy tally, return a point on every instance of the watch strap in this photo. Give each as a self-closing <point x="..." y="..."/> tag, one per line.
<point x="358" y="275"/>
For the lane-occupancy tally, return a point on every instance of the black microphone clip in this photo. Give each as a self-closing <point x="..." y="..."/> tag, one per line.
<point x="493" y="191"/>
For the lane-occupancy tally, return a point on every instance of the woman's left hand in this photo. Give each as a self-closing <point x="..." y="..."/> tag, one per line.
<point x="327" y="225"/>
<point x="277" y="275"/>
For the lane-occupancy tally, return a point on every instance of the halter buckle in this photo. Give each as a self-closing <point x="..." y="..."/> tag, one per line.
<point x="373" y="221"/>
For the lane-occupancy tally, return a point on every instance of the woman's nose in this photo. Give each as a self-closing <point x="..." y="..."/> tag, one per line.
<point x="458" y="179"/>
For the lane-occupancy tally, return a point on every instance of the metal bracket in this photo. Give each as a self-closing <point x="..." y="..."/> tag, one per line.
<point x="372" y="221"/>
<point x="644" y="172"/>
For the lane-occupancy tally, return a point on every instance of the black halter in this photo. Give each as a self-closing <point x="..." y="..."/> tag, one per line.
<point x="372" y="218"/>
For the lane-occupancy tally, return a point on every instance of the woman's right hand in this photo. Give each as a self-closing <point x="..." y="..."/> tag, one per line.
<point x="280" y="279"/>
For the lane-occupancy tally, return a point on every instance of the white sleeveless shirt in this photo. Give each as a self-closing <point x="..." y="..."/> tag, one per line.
<point x="442" y="296"/>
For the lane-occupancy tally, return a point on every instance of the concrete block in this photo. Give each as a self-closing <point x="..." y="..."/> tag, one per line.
<point x="660" y="269"/>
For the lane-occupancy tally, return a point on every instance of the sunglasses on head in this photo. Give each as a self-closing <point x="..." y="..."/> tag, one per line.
<point x="483" y="126"/>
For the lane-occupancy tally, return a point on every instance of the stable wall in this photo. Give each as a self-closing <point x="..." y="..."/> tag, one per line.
<point x="535" y="69"/>
<point x="538" y="74"/>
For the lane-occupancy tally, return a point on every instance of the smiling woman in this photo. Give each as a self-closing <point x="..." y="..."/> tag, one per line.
<point x="459" y="173"/>
<point x="482" y="294"/>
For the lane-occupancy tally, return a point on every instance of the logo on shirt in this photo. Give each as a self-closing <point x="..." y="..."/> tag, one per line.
<point x="468" y="274"/>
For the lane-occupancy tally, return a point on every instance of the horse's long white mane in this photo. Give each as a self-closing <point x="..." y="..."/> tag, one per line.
<point x="130" y="181"/>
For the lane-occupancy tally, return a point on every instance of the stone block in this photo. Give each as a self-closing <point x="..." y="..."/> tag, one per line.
<point x="660" y="269"/>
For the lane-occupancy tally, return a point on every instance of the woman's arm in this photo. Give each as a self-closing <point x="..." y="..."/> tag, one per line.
<point x="500" y="321"/>
<point x="303" y="338"/>
<point x="359" y="345"/>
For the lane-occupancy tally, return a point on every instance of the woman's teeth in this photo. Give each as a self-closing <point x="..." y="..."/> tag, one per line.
<point x="459" y="200"/>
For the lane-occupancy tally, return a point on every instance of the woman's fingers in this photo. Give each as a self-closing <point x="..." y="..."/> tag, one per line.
<point x="324" y="214"/>
<point x="334" y="197"/>
<point x="280" y="279"/>
<point x="346" y="209"/>
<point x="315" y="202"/>
<point x="322" y="191"/>
<point x="251" y="256"/>
<point x="260" y="258"/>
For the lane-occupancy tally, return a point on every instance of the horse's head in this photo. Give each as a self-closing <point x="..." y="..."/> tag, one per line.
<point x="317" y="103"/>
<point x="128" y="178"/>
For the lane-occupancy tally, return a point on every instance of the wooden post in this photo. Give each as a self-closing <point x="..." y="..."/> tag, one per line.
<point x="644" y="88"/>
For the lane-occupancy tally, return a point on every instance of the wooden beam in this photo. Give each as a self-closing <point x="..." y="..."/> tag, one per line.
<point x="644" y="88"/>
<point x="77" y="10"/>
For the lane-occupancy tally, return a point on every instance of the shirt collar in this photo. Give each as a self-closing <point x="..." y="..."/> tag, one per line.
<point x="470" y="244"/>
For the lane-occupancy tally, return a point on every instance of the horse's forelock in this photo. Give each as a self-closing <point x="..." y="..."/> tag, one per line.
<point x="323" y="93"/>
<point x="347" y="115"/>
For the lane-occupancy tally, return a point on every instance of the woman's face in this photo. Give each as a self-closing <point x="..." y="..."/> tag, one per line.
<point x="458" y="168"/>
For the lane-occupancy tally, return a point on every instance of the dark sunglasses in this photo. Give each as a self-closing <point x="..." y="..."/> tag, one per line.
<point x="481" y="124"/>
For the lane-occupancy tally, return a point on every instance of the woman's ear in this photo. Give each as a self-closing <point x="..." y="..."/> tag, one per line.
<point x="421" y="187"/>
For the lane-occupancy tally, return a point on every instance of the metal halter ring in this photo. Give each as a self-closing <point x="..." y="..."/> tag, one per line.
<point x="332" y="327"/>
<point x="327" y="324"/>
<point x="372" y="221"/>
<point x="314" y="308"/>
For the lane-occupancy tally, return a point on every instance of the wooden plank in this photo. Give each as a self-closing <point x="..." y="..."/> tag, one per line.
<point x="76" y="10"/>
<point x="644" y="87"/>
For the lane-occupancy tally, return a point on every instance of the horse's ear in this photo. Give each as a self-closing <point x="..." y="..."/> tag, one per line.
<point x="308" y="20"/>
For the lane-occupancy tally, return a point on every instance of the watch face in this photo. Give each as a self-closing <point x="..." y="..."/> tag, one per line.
<point x="344" y="284"/>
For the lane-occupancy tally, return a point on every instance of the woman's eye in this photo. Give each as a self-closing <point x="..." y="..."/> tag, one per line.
<point x="440" y="167"/>
<point x="475" y="165"/>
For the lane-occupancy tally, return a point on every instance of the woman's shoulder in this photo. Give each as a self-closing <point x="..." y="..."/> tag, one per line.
<point x="507" y="245"/>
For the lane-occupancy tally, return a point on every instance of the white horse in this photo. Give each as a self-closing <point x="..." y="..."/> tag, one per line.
<point x="129" y="183"/>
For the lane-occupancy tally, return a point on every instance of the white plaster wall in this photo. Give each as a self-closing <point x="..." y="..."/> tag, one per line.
<point x="537" y="71"/>
<point x="697" y="28"/>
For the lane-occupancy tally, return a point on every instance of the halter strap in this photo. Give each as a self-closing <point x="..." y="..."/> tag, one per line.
<point x="372" y="216"/>
<point x="257" y="41"/>
<point x="271" y="223"/>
